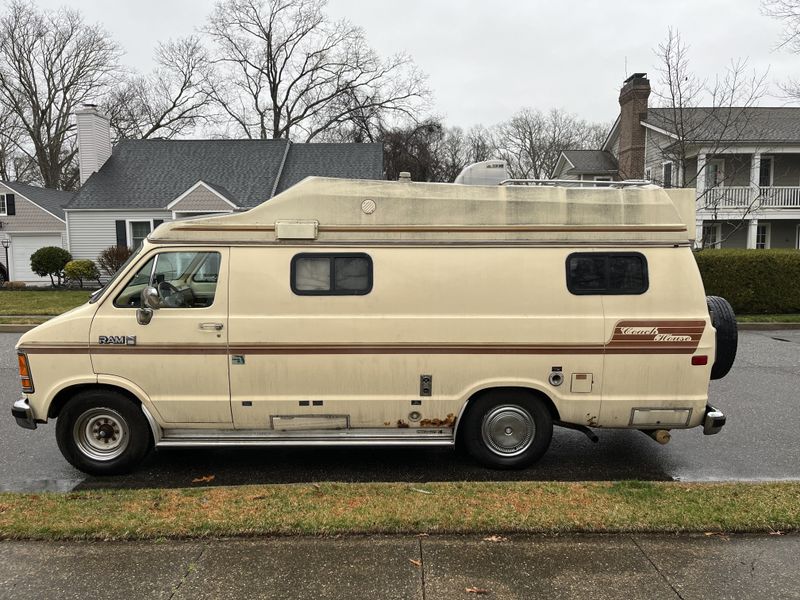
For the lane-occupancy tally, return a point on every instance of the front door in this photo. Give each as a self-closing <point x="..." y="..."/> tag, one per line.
<point x="179" y="359"/>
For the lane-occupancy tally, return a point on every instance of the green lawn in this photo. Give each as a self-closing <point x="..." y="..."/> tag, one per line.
<point x="366" y="508"/>
<point x="792" y="318"/>
<point x="25" y="302"/>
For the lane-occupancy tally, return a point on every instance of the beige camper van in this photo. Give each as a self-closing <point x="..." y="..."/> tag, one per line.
<point x="376" y="312"/>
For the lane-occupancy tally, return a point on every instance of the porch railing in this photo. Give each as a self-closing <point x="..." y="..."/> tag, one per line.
<point x="748" y="197"/>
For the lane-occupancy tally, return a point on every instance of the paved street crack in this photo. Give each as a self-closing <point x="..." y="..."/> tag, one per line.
<point x="422" y="568"/>
<point x="650" y="560"/>
<point x="190" y="568"/>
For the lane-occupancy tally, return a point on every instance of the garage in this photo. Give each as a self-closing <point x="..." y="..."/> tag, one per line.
<point x="19" y="255"/>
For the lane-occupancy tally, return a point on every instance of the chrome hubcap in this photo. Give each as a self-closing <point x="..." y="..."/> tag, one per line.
<point x="508" y="430"/>
<point x="101" y="434"/>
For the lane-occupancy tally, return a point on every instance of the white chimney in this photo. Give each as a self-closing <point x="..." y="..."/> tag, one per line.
<point x="94" y="139"/>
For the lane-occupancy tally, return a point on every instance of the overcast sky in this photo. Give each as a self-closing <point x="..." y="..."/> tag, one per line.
<point x="486" y="60"/>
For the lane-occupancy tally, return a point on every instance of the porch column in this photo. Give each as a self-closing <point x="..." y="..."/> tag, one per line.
<point x="700" y="178"/>
<point x="755" y="177"/>
<point x="752" y="230"/>
<point x="698" y="233"/>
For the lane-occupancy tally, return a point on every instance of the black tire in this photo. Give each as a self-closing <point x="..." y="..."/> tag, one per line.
<point x="724" y="321"/>
<point x="514" y="413"/>
<point x="102" y="432"/>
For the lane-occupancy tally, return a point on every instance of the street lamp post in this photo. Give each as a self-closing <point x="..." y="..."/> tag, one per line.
<point x="6" y="243"/>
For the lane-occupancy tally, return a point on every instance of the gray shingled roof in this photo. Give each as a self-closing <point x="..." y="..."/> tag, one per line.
<point x="731" y="124"/>
<point x="152" y="173"/>
<point x="354" y="161"/>
<point x="53" y="201"/>
<point x="591" y="161"/>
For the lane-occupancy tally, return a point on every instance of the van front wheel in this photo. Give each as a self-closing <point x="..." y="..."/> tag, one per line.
<point x="101" y="432"/>
<point x="507" y="430"/>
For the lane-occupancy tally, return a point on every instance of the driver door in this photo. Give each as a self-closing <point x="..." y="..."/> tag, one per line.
<point x="180" y="358"/>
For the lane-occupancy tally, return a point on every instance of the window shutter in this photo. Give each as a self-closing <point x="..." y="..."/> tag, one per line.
<point x="11" y="208"/>
<point x="122" y="234"/>
<point x="157" y="222"/>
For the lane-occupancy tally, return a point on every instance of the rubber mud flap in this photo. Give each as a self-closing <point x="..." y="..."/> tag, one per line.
<point x="724" y="322"/>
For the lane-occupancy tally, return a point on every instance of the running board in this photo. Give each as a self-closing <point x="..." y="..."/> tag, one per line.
<point x="338" y="437"/>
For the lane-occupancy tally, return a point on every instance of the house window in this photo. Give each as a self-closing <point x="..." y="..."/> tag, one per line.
<point x="765" y="172"/>
<point x="3" y="209"/>
<point x="712" y="235"/>
<point x="602" y="178"/>
<point x="762" y="236"/>
<point x="138" y="231"/>
<point x="612" y="273"/>
<point x="338" y="274"/>
<point x="715" y="173"/>
<point x="666" y="174"/>
<point x="648" y="174"/>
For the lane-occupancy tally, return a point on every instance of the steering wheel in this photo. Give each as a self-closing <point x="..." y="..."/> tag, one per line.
<point x="170" y="295"/>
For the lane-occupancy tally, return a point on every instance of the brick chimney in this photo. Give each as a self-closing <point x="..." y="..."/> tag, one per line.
<point x="632" y="111"/>
<point x="94" y="139"/>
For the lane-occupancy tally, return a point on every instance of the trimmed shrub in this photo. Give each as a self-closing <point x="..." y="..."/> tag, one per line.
<point x="753" y="281"/>
<point x="112" y="258"/>
<point x="14" y="285"/>
<point x="82" y="270"/>
<point x="51" y="261"/>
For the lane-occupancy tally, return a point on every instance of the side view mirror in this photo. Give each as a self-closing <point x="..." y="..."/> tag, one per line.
<point x="150" y="302"/>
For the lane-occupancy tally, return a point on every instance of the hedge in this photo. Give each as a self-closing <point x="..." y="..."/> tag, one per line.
<point x="753" y="281"/>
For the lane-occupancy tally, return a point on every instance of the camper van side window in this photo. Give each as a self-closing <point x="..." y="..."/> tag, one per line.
<point x="607" y="273"/>
<point x="339" y="274"/>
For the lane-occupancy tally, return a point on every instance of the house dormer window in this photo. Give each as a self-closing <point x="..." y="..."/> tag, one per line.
<point x="3" y="206"/>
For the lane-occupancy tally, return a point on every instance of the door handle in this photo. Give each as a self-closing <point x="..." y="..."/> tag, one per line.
<point x="211" y="326"/>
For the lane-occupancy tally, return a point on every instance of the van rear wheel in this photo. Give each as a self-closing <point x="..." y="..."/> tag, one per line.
<point x="101" y="432"/>
<point x="507" y="429"/>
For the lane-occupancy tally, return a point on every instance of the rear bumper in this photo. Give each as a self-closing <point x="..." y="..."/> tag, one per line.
<point x="714" y="420"/>
<point x="23" y="414"/>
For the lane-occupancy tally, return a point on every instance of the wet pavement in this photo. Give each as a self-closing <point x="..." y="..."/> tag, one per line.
<point x="760" y="398"/>
<point x="581" y="566"/>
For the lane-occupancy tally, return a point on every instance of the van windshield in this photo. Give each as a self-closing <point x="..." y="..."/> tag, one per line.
<point x="96" y="295"/>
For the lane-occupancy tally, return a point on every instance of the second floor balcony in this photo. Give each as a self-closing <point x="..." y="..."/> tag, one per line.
<point x="749" y="197"/>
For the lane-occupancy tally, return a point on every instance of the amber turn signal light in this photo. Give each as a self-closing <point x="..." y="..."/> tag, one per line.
<point x="25" y="373"/>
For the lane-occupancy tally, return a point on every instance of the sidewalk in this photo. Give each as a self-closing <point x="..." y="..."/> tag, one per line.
<point x="597" y="567"/>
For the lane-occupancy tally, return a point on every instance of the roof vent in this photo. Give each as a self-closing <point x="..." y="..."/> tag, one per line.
<point x="490" y="172"/>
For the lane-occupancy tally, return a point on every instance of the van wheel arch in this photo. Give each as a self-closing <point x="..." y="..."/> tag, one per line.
<point x="62" y="397"/>
<point x="534" y="394"/>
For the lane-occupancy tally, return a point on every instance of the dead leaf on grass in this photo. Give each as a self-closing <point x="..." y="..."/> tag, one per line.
<point x="777" y="532"/>
<point x="495" y="539"/>
<point x="718" y="534"/>
<point x="421" y="491"/>
<point x="416" y="563"/>
<point x="476" y="590"/>
<point x="204" y="479"/>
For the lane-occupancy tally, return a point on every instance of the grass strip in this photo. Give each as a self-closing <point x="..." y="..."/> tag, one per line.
<point x="47" y="302"/>
<point x="786" y="318"/>
<point x="363" y="508"/>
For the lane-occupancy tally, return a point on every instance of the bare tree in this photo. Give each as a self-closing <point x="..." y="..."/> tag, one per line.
<point x="290" y="73"/>
<point x="50" y="63"/>
<point x="708" y="114"/>
<point x="788" y="12"/>
<point x="171" y="101"/>
<point x="531" y="141"/>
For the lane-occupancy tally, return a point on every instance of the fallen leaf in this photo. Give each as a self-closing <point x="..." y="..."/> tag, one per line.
<point x="495" y="539"/>
<point x="204" y="479"/>
<point x="416" y="563"/>
<point x="718" y="534"/>
<point x="778" y="532"/>
<point x="422" y="535"/>
<point x="421" y="491"/>
<point x="475" y="590"/>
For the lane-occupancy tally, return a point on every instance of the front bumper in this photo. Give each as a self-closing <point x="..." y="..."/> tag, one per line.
<point x="23" y="414"/>
<point x="714" y="420"/>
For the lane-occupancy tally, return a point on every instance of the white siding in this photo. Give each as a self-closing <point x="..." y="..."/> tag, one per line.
<point x="94" y="140"/>
<point x="91" y="231"/>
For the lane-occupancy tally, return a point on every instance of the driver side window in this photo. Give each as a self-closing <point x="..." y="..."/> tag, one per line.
<point x="183" y="280"/>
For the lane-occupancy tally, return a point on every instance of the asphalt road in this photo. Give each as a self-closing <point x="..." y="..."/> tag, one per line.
<point x="760" y="397"/>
